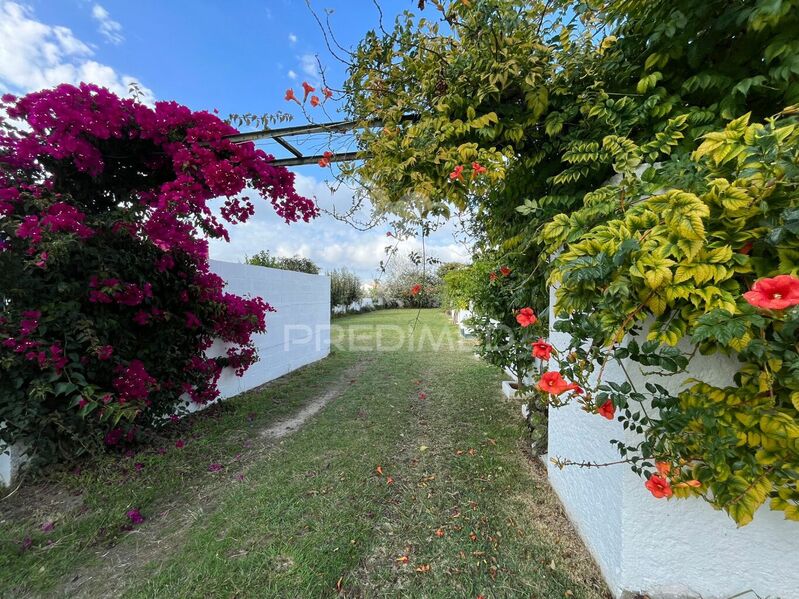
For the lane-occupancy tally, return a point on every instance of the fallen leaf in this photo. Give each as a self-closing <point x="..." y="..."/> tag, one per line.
<point x="389" y="481"/>
<point x="472" y="451"/>
<point x="491" y="441"/>
<point x="459" y="452"/>
<point x="472" y="536"/>
<point x="423" y="568"/>
<point x="423" y="448"/>
<point x="338" y="583"/>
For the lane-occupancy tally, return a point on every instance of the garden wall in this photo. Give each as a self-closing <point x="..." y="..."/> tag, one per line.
<point x="297" y="334"/>
<point x="664" y="549"/>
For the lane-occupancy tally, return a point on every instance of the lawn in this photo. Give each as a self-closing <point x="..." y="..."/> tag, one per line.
<point x="411" y="481"/>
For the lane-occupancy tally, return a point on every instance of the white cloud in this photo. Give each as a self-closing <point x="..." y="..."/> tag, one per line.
<point x="34" y="56"/>
<point x="292" y="39"/>
<point x="329" y="242"/>
<point x="292" y="75"/>
<point x="309" y="66"/>
<point x="110" y="29"/>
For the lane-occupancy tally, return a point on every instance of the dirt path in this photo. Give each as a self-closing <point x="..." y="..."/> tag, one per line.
<point x="159" y="537"/>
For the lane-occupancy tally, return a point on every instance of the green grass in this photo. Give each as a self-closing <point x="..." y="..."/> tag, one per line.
<point x="311" y="517"/>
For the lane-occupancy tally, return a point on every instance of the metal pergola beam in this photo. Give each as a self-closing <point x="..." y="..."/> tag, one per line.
<point x="302" y="160"/>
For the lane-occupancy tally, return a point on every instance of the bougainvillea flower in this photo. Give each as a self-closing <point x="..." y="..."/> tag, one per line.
<point x="492" y="277"/>
<point x="526" y="317"/>
<point x="135" y="516"/>
<point x="422" y="395"/>
<point x="416" y="289"/>
<point x="478" y="169"/>
<point x="48" y="526"/>
<point x="290" y="97"/>
<point x="214" y="467"/>
<point x="659" y="486"/>
<point x="180" y="443"/>
<point x="315" y="101"/>
<point x="607" y="410"/>
<point x="457" y="173"/>
<point x="542" y="350"/>
<point x="308" y="88"/>
<point x="777" y="293"/>
<point x="552" y="382"/>
<point x="105" y="352"/>
<point x="327" y="92"/>
<point x="663" y="468"/>
<point x="505" y="271"/>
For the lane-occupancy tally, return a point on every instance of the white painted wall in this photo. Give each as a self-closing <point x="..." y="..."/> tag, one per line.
<point x="666" y="549"/>
<point x="297" y="334"/>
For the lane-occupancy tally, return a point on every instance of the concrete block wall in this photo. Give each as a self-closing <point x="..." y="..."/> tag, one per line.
<point x="297" y="334"/>
<point x="663" y="549"/>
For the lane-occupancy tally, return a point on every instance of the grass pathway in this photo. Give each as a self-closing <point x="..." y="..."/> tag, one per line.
<point x="455" y="510"/>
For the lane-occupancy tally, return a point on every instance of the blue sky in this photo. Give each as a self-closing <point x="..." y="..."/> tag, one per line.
<point x="237" y="56"/>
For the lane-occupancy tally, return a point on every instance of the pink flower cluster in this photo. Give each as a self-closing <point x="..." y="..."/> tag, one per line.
<point x="133" y="382"/>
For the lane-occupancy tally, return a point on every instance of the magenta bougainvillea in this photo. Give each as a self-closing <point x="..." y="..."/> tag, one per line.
<point x="108" y="302"/>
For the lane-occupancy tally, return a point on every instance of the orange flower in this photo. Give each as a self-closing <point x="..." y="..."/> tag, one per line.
<point x="505" y="271"/>
<point x="440" y="533"/>
<point x="423" y="568"/>
<point x="542" y="350"/>
<point x="314" y="101"/>
<point x="327" y="92"/>
<point x="389" y="480"/>
<point x="478" y="169"/>
<point x="416" y="289"/>
<point x="526" y="317"/>
<point x="776" y="293"/>
<point x="308" y="89"/>
<point x="607" y="410"/>
<point x="664" y="468"/>
<point x="379" y="470"/>
<point x="492" y="277"/>
<point x="403" y="559"/>
<point x="290" y="97"/>
<point x="552" y="382"/>
<point x="325" y="160"/>
<point x="689" y="483"/>
<point x="457" y="173"/>
<point x="659" y="486"/>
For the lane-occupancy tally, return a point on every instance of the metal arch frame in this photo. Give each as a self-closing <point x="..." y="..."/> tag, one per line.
<point x="299" y="159"/>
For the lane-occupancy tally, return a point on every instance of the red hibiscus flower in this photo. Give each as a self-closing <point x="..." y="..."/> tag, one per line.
<point x="607" y="410"/>
<point x="552" y="382"/>
<point x="327" y="92"/>
<point x="477" y="169"/>
<point x="659" y="486"/>
<point x="290" y="97"/>
<point x="416" y="289"/>
<point x="505" y="271"/>
<point x="314" y="101"/>
<point x="492" y="277"/>
<point x="308" y="89"/>
<point x="777" y="293"/>
<point x="457" y="173"/>
<point x="526" y="317"/>
<point x="542" y="350"/>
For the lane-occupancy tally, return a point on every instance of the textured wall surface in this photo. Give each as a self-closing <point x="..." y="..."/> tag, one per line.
<point x="666" y="549"/>
<point x="297" y="334"/>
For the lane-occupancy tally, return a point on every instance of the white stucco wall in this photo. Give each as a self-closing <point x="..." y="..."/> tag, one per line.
<point x="666" y="549"/>
<point x="297" y="334"/>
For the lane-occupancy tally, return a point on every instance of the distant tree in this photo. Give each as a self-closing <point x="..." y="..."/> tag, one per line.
<point x="409" y="282"/>
<point x="295" y="263"/>
<point x="345" y="287"/>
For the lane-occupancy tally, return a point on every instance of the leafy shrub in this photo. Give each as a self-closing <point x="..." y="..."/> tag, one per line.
<point x="108" y="305"/>
<point x="345" y="287"/>
<point x="295" y="263"/>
